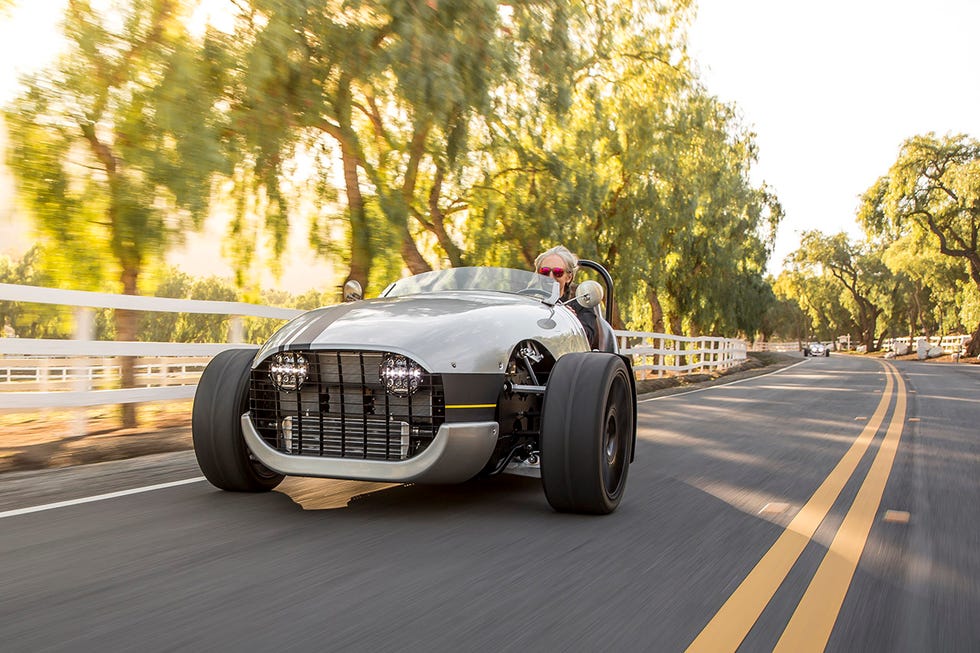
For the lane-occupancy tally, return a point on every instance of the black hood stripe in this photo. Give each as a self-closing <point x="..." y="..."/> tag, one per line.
<point x="307" y="335"/>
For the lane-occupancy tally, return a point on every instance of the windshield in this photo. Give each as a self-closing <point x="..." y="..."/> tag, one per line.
<point x="516" y="282"/>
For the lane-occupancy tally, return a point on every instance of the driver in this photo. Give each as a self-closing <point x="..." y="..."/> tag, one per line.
<point x="560" y="264"/>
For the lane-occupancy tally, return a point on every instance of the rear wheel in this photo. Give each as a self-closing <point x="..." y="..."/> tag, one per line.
<point x="220" y="401"/>
<point x="587" y="430"/>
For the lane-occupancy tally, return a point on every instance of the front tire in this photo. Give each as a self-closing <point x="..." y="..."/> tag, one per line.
<point x="219" y="402"/>
<point x="587" y="432"/>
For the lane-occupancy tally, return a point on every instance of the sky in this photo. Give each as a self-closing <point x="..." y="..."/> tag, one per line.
<point x="830" y="89"/>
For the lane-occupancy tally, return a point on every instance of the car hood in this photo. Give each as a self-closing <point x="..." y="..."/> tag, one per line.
<point x="461" y="332"/>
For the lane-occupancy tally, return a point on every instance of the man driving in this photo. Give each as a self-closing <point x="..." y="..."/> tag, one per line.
<point x="561" y="264"/>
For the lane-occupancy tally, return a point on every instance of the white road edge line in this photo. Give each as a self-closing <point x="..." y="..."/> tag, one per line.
<point x="98" y="497"/>
<point x="722" y="385"/>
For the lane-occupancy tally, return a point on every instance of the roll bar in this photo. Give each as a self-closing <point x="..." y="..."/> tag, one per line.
<point x="592" y="265"/>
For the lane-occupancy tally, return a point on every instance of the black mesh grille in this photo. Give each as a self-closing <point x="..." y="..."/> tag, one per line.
<point x="343" y="411"/>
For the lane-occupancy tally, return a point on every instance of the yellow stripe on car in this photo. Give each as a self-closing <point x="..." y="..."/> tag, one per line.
<point x="472" y="406"/>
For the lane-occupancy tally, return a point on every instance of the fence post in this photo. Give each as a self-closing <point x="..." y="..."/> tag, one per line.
<point x="84" y="331"/>
<point x="236" y="330"/>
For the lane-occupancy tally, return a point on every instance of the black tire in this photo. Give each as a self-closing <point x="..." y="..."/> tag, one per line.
<point x="219" y="402"/>
<point x="587" y="433"/>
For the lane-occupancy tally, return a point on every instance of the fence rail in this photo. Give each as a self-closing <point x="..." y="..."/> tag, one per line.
<point x="46" y="373"/>
<point x="776" y="346"/>
<point x="949" y="344"/>
<point x="663" y="353"/>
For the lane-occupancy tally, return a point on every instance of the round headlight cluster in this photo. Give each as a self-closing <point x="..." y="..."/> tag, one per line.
<point x="400" y="375"/>
<point x="288" y="370"/>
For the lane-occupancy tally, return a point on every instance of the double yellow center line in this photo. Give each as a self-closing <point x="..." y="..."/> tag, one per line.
<point x="811" y="624"/>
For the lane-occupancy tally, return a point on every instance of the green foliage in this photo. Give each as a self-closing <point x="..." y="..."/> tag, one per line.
<point x="866" y="283"/>
<point x="188" y="327"/>
<point x="114" y="147"/>
<point x="931" y="194"/>
<point x="415" y="135"/>
<point x="26" y="319"/>
<point x="479" y="134"/>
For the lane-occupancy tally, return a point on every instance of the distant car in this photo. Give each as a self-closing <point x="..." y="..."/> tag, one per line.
<point x="816" y="349"/>
<point x="448" y="375"/>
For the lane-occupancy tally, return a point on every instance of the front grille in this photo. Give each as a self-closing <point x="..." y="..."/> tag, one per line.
<point x="343" y="411"/>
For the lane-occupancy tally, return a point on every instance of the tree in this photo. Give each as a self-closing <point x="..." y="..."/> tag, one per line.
<point x="820" y="314"/>
<point x="482" y="132"/>
<point x="933" y="284"/>
<point x="614" y="150"/>
<point x="859" y="270"/>
<point x="934" y="186"/>
<point x="391" y="85"/>
<point x="114" y="148"/>
<point x="27" y="319"/>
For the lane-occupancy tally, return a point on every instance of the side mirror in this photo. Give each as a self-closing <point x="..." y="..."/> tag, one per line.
<point x="352" y="291"/>
<point x="589" y="294"/>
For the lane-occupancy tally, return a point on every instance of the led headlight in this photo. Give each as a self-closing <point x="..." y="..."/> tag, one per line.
<point x="288" y="370"/>
<point x="401" y="376"/>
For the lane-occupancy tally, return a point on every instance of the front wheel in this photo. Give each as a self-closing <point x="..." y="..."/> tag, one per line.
<point x="219" y="402"/>
<point x="587" y="433"/>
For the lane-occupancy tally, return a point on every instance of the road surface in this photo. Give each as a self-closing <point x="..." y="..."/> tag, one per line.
<point x="833" y="504"/>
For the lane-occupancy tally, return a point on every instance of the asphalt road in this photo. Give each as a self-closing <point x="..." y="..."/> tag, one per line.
<point x="830" y="504"/>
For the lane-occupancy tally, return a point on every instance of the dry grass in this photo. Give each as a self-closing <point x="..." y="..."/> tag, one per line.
<point x="44" y="439"/>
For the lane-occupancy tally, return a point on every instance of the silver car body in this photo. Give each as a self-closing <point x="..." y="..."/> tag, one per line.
<point x="461" y="325"/>
<point x="449" y="331"/>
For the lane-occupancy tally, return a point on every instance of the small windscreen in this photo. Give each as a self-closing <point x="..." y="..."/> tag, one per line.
<point x="506" y="280"/>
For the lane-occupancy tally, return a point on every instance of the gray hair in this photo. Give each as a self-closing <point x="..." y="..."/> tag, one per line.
<point x="571" y="261"/>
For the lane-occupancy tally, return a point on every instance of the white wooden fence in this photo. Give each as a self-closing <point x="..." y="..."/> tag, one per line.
<point x="62" y="356"/>
<point x="949" y="344"/>
<point x="776" y="346"/>
<point x="46" y="373"/>
<point x="661" y="353"/>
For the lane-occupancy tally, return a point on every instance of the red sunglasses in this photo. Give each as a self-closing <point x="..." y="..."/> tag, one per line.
<point x="558" y="272"/>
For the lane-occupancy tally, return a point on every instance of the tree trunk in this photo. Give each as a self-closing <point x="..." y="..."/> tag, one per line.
<point x="360" y="245"/>
<point x="437" y="222"/>
<point x="973" y="349"/>
<point x="361" y="252"/>
<point x="881" y="339"/>
<point x="411" y="255"/>
<point x="126" y="331"/>
<point x="656" y="311"/>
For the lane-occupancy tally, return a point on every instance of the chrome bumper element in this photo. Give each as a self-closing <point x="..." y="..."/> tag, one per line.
<point x="456" y="454"/>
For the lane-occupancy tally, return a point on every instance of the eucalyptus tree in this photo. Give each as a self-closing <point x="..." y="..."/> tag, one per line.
<point x="822" y="314"/>
<point x="722" y="226"/>
<point x="481" y="132"/>
<point x="391" y="86"/>
<point x="27" y="319"/>
<point x="609" y="148"/>
<point x="859" y="269"/>
<point x="114" y="147"/>
<point x="783" y="320"/>
<point x="934" y="187"/>
<point x="935" y="286"/>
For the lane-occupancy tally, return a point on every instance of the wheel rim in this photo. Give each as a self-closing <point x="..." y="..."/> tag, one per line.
<point x="611" y="439"/>
<point x="261" y="470"/>
<point x="616" y="436"/>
